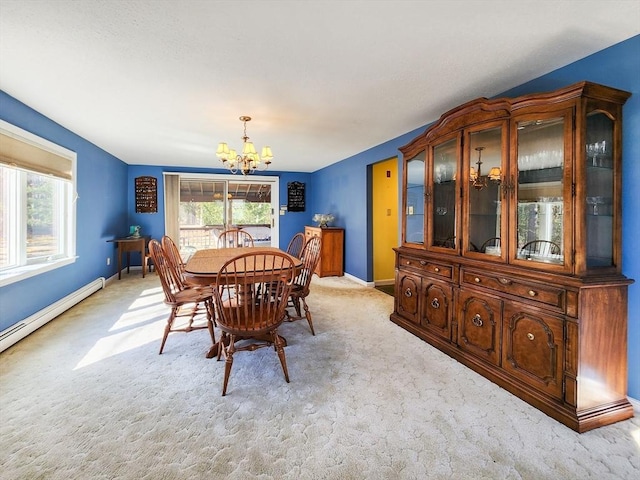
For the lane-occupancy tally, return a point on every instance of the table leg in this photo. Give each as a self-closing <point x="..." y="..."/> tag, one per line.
<point x="119" y="263"/>
<point x="142" y="259"/>
<point x="213" y="351"/>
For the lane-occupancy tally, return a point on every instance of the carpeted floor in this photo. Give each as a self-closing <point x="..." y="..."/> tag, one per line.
<point x="88" y="397"/>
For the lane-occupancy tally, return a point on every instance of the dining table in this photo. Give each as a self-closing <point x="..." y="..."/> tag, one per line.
<point x="203" y="266"/>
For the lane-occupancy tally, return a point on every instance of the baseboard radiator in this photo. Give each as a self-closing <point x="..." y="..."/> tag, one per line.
<point x="30" y="324"/>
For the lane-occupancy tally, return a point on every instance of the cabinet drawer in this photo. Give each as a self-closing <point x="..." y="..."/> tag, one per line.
<point x="546" y="294"/>
<point x="312" y="232"/>
<point x="445" y="271"/>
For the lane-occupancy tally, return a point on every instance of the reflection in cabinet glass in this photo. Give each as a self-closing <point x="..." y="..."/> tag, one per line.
<point x="443" y="206"/>
<point x="414" y="199"/>
<point x="540" y="214"/>
<point x="485" y="191"/>
<point x="515" y="270"/>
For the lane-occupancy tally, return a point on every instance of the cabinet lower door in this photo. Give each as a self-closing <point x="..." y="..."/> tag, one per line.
<point x="534" y="349"/>
<point x="479" y="326"/>
<point x="407" y="293"/>
<point x="436" y="316"/>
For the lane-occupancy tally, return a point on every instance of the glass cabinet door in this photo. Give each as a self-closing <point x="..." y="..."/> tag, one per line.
<point x="599" y="190"/>
<point x="414" y="199"/>
<point x="485" y="151"/>
<point x="443" y="195"/>
<point x="540" y="208"/>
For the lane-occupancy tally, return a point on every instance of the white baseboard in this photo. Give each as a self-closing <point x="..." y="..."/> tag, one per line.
<point x="359" y="281"/>
<point x="373" y="284"/>
<point x="21" y="329"/>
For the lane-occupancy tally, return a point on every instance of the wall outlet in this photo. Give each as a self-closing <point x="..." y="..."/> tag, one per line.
<point x="108" y="260"/>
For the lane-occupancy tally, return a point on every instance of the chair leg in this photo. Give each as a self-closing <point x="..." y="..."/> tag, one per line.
<point x="228" y="363"/>
<point x="167" y="328"/>
<point x="221" y="344"/>
<point x="307" y="314"/>
<point x="277" y="340"/>
<point x="296" y="305"/>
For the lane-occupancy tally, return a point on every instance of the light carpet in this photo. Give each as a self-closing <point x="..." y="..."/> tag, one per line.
<point x="88" y="397"/>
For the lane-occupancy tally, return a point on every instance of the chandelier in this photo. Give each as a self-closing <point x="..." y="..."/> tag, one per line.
<point x="475" y="176"/>
<point x="249" y="161"/>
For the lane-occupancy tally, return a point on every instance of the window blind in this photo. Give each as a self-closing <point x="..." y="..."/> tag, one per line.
<point x="19" y="153"/>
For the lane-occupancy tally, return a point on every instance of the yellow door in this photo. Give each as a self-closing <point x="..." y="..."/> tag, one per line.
<point x="385" y="220"/>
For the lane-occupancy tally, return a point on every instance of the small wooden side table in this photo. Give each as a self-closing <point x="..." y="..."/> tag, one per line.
<point x="128" y="245"/>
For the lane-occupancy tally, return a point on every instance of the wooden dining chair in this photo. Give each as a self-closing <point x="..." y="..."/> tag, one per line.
<point x="235" y="238"/>
<point x="173" y="255"/>
<point x="177" y="257"/>
<point x="310" y="257"/>
<point x="186" y="301"/>
<point x="249" y="320"/>
<point x="541" y="248"/>
<point x="491" y="242"/>
<point x="296" y="244"/>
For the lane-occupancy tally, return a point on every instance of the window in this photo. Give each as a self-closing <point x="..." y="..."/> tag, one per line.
<point x="37" y="211"/>
<point x="209" y="205"/>
<point x="198" y="207"/>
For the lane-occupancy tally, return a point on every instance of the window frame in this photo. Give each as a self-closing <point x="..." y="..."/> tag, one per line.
<point x="67" y="210"/>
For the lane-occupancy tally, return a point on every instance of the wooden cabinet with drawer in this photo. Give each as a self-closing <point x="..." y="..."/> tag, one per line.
<point x="518" y="275"/>
<point x="331" y="252"/>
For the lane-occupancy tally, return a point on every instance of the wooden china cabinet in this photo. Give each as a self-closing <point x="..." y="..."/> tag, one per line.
<point x="511" y="248"/>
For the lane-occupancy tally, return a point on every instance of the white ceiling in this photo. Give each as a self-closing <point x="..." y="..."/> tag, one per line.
<point x="161" y="82"/>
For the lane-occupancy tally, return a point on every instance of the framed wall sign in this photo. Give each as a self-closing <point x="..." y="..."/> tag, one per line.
<point x="146" y="195"/>
<point x="295" y="197"/>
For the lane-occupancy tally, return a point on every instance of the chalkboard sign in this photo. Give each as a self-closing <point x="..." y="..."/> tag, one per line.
<point x="146" y="195"/>
<point x="295" y="197"/>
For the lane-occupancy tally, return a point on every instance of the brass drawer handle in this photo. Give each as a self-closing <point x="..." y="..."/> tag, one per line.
<point x="532" y="293"/>
<point x="505" y="281"/>
<point x="423" y="263"/>
<point x="435" y="303"/>
<point x="477" y="320"/>
<point x="408" y="262"/>
<point x="530" y="336"/>
<point x="408" y="293"/>
<point x="436" y="269"/>
<point x="477" y="280"/>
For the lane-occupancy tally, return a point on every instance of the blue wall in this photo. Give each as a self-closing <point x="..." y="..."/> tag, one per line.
<point x="101" y="209"/>
<point x="106" y="203"/>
